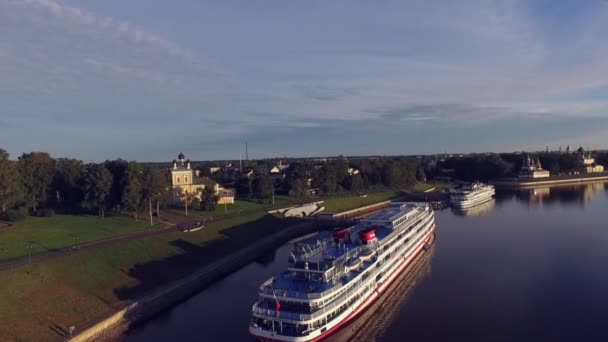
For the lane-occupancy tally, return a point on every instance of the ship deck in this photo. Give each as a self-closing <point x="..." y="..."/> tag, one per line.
<point x="325" y="254"/>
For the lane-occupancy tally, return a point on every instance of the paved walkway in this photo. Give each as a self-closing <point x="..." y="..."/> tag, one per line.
<point x="176" y="223"/>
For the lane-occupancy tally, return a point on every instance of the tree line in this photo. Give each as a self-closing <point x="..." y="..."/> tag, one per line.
<point x="328" y="178"/>
<point x="492" y="166"/>
<point x="37" y="184"/>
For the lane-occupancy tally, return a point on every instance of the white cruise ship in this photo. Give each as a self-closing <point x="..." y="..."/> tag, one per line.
<point x="471" y="195"/>
<point x="334" y="276"/>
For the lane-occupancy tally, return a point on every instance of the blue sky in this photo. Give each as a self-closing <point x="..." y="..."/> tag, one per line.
<point x="146" y="79"/>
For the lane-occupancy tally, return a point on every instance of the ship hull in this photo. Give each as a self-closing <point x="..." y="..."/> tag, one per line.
<point x="349" y="315"/>
<point x="472" y="203"/>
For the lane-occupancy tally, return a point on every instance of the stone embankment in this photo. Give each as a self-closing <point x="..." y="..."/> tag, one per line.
<point x="304" y="210"/>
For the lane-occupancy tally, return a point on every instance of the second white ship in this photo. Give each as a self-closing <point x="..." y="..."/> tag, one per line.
<point x="471" y="195"/>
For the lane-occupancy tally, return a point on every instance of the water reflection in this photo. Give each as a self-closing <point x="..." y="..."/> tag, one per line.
<point x="480" y="209"/>
<point x="530" y="268"/>
<point x="267" y="258"/>
<point x="374" y="321"/>
<point x="578" y="194"/>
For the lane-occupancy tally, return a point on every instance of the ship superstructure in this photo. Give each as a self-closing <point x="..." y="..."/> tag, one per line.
<point x="332" y="276"/>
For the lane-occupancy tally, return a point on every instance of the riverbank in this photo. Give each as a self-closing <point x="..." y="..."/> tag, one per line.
<point x="113" y="326"/>
<point x="553" y="180"/>
<point x="38" y="302"/>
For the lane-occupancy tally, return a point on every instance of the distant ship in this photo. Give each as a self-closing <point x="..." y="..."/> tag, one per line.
<point x="332" y="277"/>
<point x="471" y="195"/>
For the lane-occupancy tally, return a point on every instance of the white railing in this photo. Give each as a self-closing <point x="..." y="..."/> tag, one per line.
<point x="342" y="298"/>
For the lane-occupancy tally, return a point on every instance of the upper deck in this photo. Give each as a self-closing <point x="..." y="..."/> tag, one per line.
<point x="324" y="262"/>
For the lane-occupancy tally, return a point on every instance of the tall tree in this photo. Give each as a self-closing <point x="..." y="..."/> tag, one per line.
<point x="10" y="189"/>
<point x="262" y="188"/>
<point x="244" y="186"/>
<point x="132" y="188"/>
<point x="118" y="169"/>
<point x="391" y="175"/>
<point x="356" y="183"/>
<point x="36" y="170"/>
<point x="67" y="181"/>
<point x="299" y="190"/>
<point x="154" y="187"/>
<point x="96" y="188"/>
<point x="209" y="199"/>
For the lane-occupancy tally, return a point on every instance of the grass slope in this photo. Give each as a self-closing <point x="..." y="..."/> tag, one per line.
<point x="46" y="233"/>
<point x="38" y="302"/>
<point x="339" y="204"/>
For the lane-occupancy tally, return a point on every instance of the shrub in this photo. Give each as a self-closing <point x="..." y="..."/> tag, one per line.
<point x="44" y="213"/>
<point x="13" y="215"/>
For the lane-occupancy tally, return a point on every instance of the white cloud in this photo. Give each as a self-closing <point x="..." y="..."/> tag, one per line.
<point x="58" y="59"/>
<point x="413" y="62"/>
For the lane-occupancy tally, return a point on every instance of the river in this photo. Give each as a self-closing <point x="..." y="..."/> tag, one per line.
<point x="530" y="265"/>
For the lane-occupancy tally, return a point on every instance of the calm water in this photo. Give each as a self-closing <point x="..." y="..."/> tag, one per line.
<point x="530" y="265"/>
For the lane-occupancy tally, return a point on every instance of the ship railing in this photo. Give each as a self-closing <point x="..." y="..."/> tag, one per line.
<point x="268" y="288"/>
<point x="335" y="302"/>
<point x="321" y="312"/>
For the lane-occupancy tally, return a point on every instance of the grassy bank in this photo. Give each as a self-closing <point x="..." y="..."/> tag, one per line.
<point x="40" y="234"/>
<point x="239" y="207"/>
<point x="339" y="204"/>
<point x="422" y="187"/>
<point x="38" y="302"/>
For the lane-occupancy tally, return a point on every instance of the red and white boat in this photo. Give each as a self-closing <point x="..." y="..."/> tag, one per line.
<point x="333" y="277"/>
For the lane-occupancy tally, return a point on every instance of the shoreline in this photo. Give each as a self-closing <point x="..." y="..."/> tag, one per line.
<point x="116" y="324"/>
<point x="526" y="183"/>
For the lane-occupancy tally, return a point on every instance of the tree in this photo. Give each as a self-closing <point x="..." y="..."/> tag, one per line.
<point x="10" y="188"/>
<point x="326" y="179"/>
<point x="97" y="184"/>
<point x="262" y="188"/>
<point x="420" y="174"/>
<point x="356" y="183"/>
<point x="244" y="186"/>
<point x="209" y="199"/>
<point x="132" y="188"/>
<point x="67" y="184"/>
<point x="154" y="188"/>
<point x="299" y="189"/>
<point x="118" y="169"/>
<point x="391" y="175"/>
<point x="36" y="171"/>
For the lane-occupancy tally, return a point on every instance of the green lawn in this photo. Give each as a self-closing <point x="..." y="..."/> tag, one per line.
<point x="40" y="299"/>
<point x="239" y="207"/>
<point x="77" y="289"/>
<point x="340" y="204"/>
<point x="46" y="233"/>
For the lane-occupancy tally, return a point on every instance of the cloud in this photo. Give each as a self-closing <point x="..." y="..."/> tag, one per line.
<point x="60" y="59"/>
<point x="274" y="71"/>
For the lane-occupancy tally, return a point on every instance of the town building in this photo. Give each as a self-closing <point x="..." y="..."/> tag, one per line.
<point x="187" y="181"/>
<point x="278" y="172"/>
<point x="589" y="164"/>
<point x="532" y="169"/>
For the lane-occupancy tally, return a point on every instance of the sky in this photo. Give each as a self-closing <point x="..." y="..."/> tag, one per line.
<point x="147" y="79"/>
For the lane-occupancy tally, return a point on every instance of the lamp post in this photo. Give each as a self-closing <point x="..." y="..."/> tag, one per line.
<point x="29" y="247"/>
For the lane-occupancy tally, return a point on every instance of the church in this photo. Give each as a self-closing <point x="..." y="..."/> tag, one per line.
<point x="187" y="181"/>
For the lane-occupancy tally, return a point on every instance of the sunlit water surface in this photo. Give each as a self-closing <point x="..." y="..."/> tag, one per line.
<point x="530" y="265"/>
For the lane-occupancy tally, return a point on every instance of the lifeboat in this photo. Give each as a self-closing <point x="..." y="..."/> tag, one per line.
<point x="367" y="235"/>
<point x="341" y="235"/>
